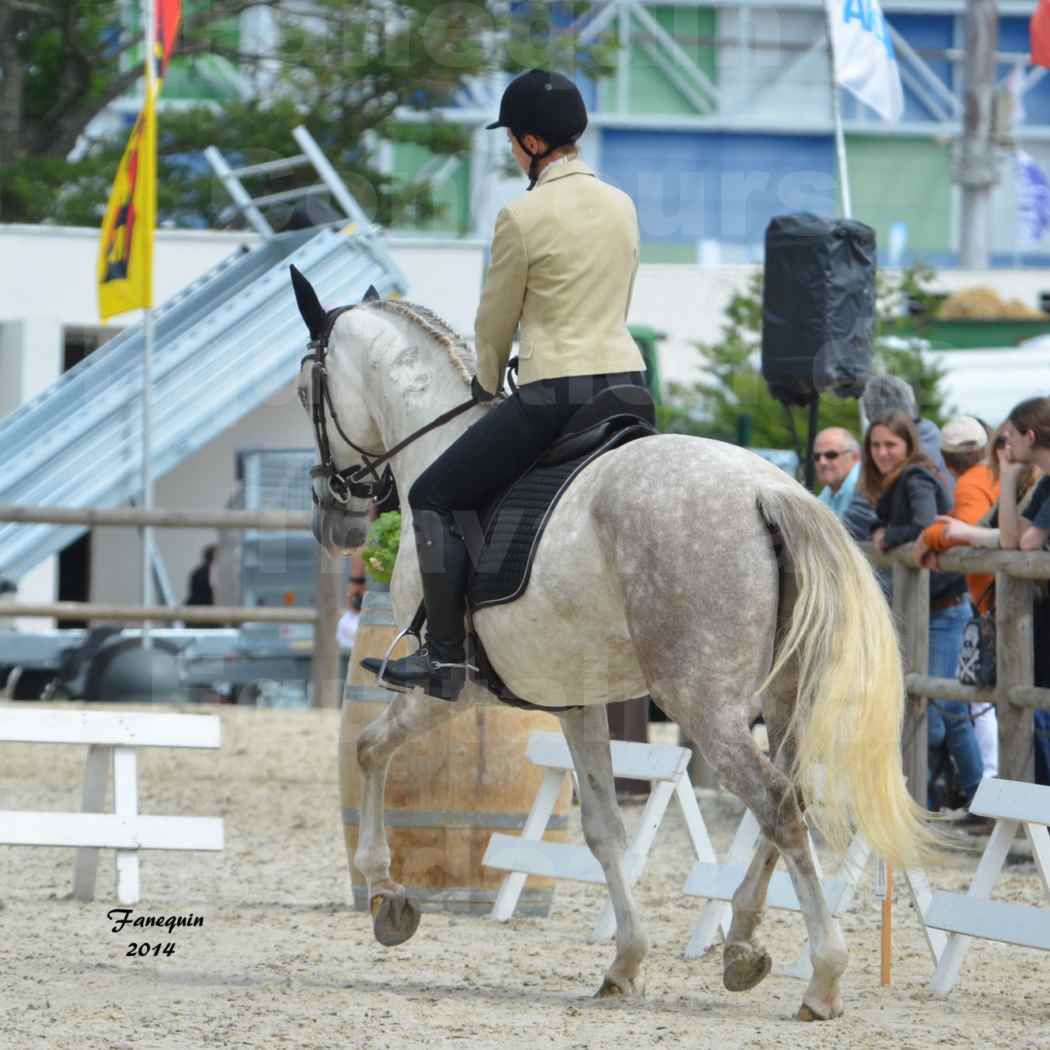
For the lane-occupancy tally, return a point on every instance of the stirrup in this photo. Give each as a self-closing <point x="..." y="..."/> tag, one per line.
<point x="381" y="673"/>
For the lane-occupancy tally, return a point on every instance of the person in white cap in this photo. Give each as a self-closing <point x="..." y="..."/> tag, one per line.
<point x="964" y="445"/>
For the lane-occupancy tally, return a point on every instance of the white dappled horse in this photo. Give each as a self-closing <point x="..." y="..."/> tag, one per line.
<point x="657" y="574"/>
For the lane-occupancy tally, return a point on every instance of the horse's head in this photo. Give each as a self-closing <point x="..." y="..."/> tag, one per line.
<point x="331" y="390"/>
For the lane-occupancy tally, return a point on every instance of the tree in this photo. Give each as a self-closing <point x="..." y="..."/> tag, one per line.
<point x="733" y="402"/>
<point x="343" y="70"/>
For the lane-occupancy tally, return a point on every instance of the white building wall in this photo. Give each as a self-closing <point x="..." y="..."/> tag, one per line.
<point x="31" y="352"/>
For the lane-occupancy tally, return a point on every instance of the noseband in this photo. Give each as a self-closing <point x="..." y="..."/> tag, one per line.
<point x="363" y="481"/>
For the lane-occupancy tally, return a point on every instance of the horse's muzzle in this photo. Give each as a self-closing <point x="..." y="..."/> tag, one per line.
<point x="338" y="528"/>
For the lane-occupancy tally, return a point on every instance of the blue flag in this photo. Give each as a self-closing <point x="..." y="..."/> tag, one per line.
<point x="1033" y="200"/>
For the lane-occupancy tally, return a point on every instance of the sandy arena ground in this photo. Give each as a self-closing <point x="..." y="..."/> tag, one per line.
<point x="283" y="960"/>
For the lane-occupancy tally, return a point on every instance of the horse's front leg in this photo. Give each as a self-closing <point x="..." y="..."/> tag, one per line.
<point x="394" y="916"/>
<point x="587" y="732"/>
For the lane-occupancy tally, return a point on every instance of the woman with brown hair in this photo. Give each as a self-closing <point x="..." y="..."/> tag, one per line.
<point x="908" y="493"/>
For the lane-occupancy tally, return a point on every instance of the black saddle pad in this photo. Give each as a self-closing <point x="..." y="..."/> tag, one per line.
<point x="514" y="523"/>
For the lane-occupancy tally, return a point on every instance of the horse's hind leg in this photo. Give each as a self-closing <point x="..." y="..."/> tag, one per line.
<point x="744" y="961"/>
<point x="768" y="792"/>
<point x="587" y="733"/>
<point x="395" y="917"/>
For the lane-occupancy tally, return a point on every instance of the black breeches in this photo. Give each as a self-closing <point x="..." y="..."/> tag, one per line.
<point x="505" y="442"/>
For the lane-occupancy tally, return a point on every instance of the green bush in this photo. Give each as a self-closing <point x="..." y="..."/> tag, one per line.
<point x="380" y="550"/>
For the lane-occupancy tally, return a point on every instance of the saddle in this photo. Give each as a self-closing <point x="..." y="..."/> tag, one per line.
<point x="512" y="525"/>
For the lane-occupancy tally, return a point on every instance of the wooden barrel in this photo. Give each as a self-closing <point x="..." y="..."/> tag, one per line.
<point x="447" y="791"/>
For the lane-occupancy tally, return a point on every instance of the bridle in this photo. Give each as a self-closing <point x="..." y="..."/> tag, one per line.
<point x="363" y="481"/>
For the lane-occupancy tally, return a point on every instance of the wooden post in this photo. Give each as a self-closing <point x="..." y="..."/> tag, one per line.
<point x="327" y="687"/>
<point x="886" y="967"/>
<point x="1015" y="666"/>
<point x="911" y="610"/>
<point x="977" y="171"/>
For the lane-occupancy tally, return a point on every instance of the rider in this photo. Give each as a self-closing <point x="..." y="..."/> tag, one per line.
<point x="562" y="265"/>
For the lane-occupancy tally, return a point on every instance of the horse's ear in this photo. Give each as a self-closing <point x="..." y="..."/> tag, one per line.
<point x="371" y="295"/>
<point x="309" y="305"/>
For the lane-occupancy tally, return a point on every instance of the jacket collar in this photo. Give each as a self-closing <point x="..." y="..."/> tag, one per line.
<point x="562" y="169"/>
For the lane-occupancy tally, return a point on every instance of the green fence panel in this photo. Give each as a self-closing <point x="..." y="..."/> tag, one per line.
<point x="902" y="180"/>
<point x="651" y="89"/>
<point x="453" y="195"/>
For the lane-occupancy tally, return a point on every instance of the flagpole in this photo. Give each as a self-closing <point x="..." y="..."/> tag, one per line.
<point x="147" y="350"/>
<point x="836" y="116"/>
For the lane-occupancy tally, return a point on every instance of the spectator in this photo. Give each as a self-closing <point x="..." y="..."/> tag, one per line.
<point x="986" y="532"/>
<point x="346" y="629"/>
<point x="8" y="594"/>
<point x="836" y="456"/>
<point x="200" y="587"/>
<point x="964" y="443"/>
<point x="1027" y="432"/>
<point x="885" y="395"/>
<point x="902" y="483"/>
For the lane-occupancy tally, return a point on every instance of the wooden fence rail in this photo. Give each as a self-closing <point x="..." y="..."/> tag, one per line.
<point x="1014" y="695"/>
<point x="327" y="687"/>
<point x="213" y="614"/>
<point x="270" y="520"/>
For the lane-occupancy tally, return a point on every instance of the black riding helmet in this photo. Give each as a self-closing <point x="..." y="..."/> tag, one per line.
<point x="544" y="104"/>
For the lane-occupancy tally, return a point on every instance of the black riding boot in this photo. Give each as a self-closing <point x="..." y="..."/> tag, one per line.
<point x="439" y="666"/>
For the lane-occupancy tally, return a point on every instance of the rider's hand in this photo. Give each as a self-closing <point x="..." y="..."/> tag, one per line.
<point x="478" y="392"/>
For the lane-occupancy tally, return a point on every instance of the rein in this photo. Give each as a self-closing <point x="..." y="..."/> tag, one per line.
<point x="363" y="481"/>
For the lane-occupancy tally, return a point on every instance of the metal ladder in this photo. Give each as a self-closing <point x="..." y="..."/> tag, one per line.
<point x="312" y="154"/>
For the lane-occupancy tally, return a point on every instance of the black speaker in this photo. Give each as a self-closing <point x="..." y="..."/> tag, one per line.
<point x="818" y="307"/>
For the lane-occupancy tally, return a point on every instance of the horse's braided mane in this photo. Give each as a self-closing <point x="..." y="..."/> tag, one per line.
<point x="461" y="356"/>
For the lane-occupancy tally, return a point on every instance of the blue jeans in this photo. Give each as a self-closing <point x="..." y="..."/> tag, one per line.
<point x="948" y="721"/>
<point x="1042" y="747"/>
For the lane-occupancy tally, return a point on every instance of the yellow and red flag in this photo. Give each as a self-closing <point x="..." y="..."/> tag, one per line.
<point x="168" y="17"/>
<point x="125" y="258"/>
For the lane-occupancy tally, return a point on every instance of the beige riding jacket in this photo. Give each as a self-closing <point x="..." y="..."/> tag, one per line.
<point x="563" y="263"/>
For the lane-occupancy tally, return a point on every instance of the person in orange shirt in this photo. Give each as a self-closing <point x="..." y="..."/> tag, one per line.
<point x="964" y="443"/>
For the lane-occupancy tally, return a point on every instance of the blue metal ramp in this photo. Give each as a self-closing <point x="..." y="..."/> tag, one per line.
<point x="222" y="346"/>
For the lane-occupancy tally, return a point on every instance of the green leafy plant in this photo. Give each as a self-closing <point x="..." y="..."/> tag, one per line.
<point x="381" y="544"/>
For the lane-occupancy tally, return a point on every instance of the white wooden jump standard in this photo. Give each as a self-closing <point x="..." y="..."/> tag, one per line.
<point x="111" y="738"/>
<point x="964" y="916"/>
<point x="663" y="765"/>
<point x="718" y="883"/>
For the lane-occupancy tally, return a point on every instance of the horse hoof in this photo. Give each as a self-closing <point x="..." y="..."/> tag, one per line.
<point x="618" y="988"/>
<point x="807" y="1013"/>
<point x="394" y="919"/>
<point x="744" y="966"/>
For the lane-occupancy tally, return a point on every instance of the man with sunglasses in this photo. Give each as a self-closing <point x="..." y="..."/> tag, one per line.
<point x="836" y="455"/>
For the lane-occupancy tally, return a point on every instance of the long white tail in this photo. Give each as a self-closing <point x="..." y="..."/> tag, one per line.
<point x="851" y="686"/>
